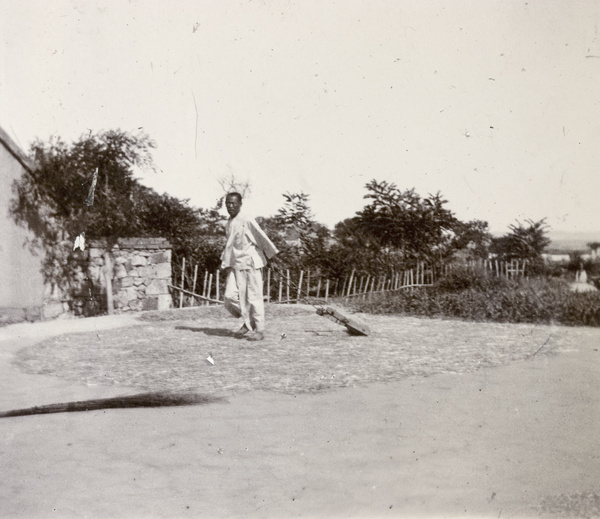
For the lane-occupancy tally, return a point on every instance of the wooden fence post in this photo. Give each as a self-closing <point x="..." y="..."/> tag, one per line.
<point x="182" y="282"/>
<point x="350" y="283"/>
<point x="327" y="291"/>
<point x="108" y="273"/>
<point x="280" y="286"/>
<point x="210" y="277"/>
<point x="217" y="287"/>
<point x="300" y="287"/>
<point x="193" y="302"/>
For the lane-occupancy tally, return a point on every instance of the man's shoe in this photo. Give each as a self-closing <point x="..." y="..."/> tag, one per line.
<point x="241" y="332"/>
<point x="257" y="336"/>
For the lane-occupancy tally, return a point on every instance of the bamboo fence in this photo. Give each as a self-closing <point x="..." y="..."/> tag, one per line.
<point x="194" y="288"/>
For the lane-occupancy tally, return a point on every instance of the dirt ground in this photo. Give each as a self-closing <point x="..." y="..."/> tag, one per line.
<point x="425" y="418"/>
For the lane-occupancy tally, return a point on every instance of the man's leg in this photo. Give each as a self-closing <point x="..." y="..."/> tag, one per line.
<point x="232" y="294"/>
<point x="235" y="299"/>
<point x="243" y="278"/>
<point x="256" y="302"/>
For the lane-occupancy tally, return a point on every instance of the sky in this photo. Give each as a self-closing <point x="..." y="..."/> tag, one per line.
<point x="495" y="104"/>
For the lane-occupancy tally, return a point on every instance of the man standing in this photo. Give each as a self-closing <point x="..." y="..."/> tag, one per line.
<point x="246" y="253"/>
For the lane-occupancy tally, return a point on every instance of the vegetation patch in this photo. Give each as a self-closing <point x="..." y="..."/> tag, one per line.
<point x="475" y="296"/>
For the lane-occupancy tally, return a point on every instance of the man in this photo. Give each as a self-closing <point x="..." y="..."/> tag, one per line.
<point x="246" y="253"/>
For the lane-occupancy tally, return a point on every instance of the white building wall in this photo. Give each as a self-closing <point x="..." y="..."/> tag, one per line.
<point x="21" y="280"/>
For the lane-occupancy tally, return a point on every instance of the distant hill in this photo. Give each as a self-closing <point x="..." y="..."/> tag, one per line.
<point x="572" y="241"/>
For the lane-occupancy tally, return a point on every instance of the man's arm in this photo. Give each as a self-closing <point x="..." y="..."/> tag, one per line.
<point x="261" y="240"/>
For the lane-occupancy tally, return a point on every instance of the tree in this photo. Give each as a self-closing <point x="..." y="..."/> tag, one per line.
<point x="195" y="234"/>
<point x="418" y="228"/>
<point x="52" y="203"/>
<point x="523" y="242"/>
<point x="594" y="246"/>
<point x="296" y="212"/>
<point x="474" y="237"/>
<point x="231" y="184"/>
<point x="292" y="231"/>
<point x="51" y="200"/>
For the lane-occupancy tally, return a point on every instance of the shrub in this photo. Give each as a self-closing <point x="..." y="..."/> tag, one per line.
<point x="464" y="277"/>
<point x="494" y="299"/>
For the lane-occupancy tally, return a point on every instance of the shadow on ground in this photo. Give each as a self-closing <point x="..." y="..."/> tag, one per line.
<point x="218" y="332"/>
<point x="156" y="399"/>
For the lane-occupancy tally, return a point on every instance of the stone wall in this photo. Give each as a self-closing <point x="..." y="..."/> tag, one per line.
<point x="140" y="270"/>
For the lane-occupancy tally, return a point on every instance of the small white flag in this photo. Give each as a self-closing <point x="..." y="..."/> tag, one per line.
<point x="80" y="242"/>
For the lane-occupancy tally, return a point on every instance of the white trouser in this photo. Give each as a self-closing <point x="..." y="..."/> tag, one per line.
<point x="244" y="297"/>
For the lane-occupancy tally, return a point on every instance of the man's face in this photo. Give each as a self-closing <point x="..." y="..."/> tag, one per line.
<point x="233" y="205"/>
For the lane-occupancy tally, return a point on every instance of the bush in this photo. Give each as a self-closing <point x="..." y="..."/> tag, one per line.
<point x="494" y="299"/>
<point x="463" y="278"/>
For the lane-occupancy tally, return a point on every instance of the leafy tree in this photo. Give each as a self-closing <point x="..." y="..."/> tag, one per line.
<point x="292" y="231"/>
<point x="296" y="212"/>
<point x="195" y="234"/>
<point x="418" y="228"/>
<point x="354" y="248"/>
<point x="594" y="246"/>
<point x="473" y="237"/>
<point x="523" y="242"/>
<point x="53" y="202"/>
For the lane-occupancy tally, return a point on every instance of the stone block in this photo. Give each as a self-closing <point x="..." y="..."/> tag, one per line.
<point x="150" y="303"/>
<point x="163" y="270"/>
<point x="159" y="257"/>
<point x="139" y="261"/>
<point x="94" y="272"/>
<point x="119" y="260"/>
<point x="164" y="301"/>
<point x="137" y="281"/>
<point x="136" y="305"/>
<point x="122" y="299"/>
<point x="157" y="286"/>
<point x="131" y="294"/>
<point x="126" y="282"/>
<point x="95" y="253"/>
<point x="145" y="272"/>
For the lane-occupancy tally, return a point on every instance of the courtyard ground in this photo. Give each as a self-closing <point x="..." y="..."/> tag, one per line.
<point x="424" y="418"/>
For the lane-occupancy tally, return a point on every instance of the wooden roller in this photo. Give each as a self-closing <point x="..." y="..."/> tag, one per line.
<point x="352" y="324"/>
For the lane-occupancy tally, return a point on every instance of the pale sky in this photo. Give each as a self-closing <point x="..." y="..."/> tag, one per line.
<point x="494" y="103"/>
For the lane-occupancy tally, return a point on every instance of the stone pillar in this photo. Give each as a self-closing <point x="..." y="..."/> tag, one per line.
<point x="142" y="273"/>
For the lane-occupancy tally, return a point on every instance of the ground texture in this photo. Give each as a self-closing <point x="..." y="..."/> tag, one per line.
<point x="311" y="422"/>
<point x="302" y="352"/>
